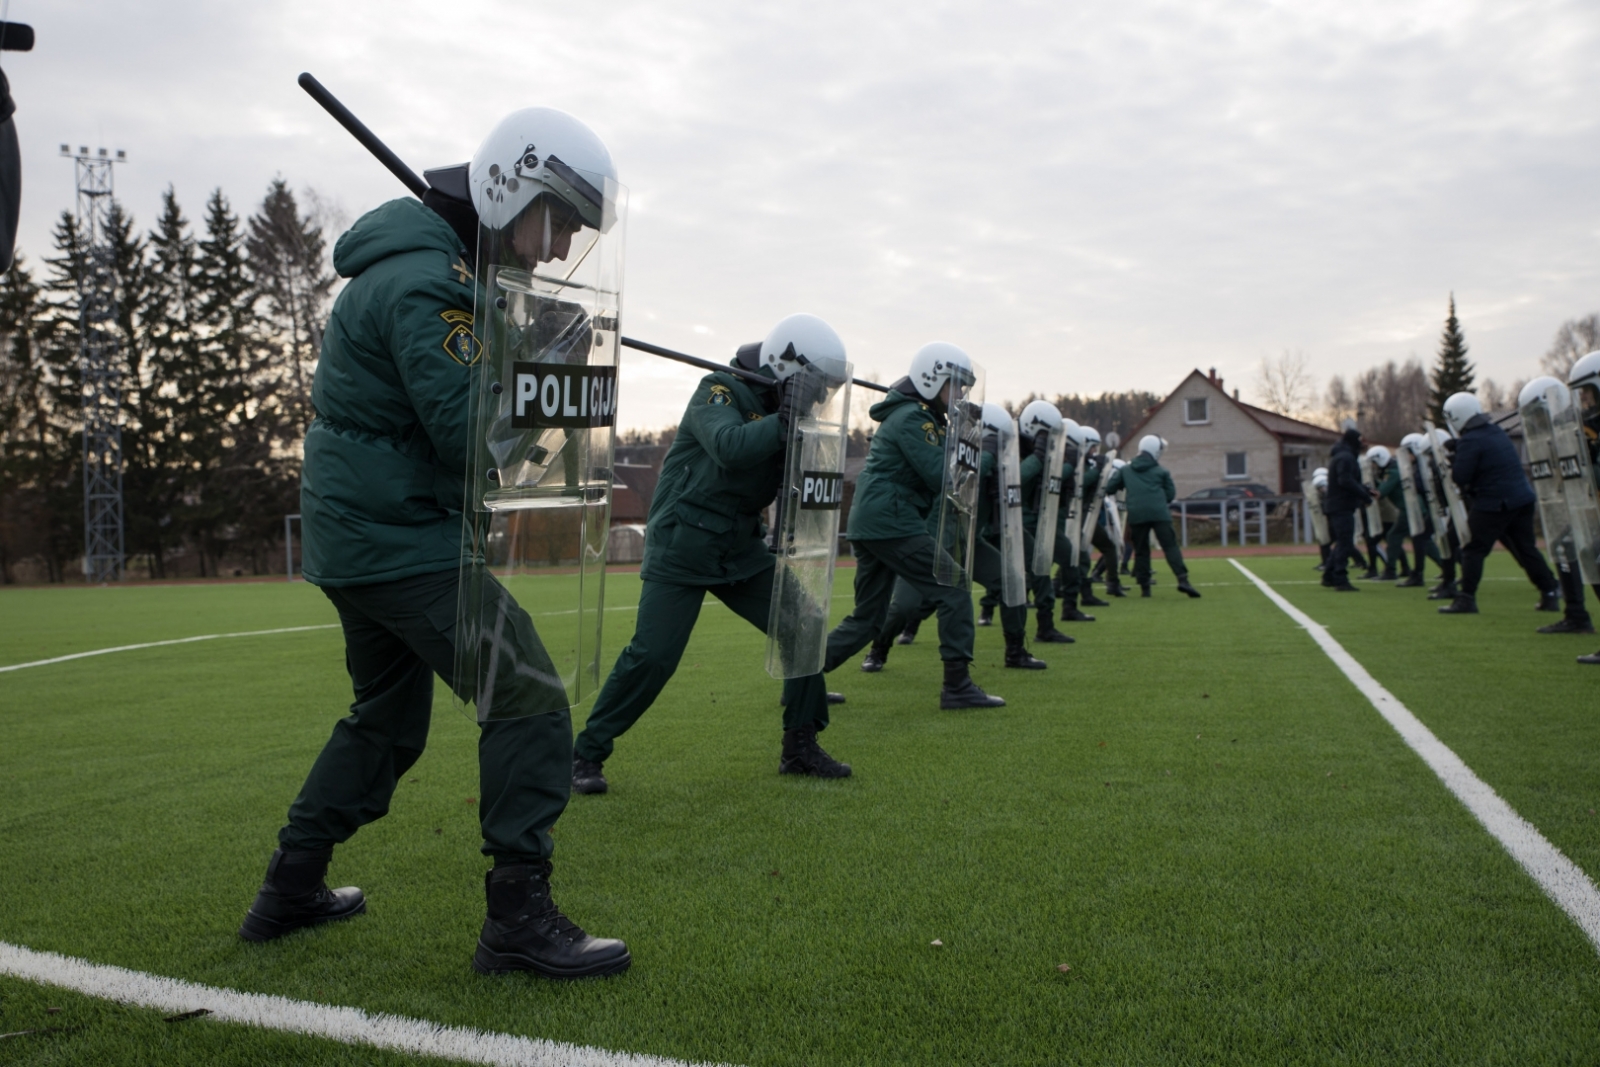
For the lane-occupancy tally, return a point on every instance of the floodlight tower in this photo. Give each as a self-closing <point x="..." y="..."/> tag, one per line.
<point x="102" y="382"/>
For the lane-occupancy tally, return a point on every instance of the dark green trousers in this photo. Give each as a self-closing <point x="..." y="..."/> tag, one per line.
<point x="987" y="571"/>
<point x="1169" y="547"/>
<point x="397" y="636"/>
<point x="667" y="614"/>
<point x="1108" y="552"/>
<point x="1065" y="585"/>
<point x="878" y="564"/>
<point x="905" y="607"/>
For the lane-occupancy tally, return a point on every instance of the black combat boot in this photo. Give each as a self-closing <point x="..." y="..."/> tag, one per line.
<point x="295" y="895"/>
<point x="877" y="656"/>
<point x="1387" y="575"/>
<point x="1114" y="587"/>
<point x="835" y="698"/>
<point x="1550" y="601"/>
<point x="1018" y="656"/>
<point x="1569" y="626"/>
<point x="1461" y="605"/>
<point x="525" y="931"/>
<point x="907" y="636"/>
<point x="960" y="691"/>
<point x="1443" y="591"/>
<point x="1592" y="660"/>
<point x="1371" y="573"/>
<point x="985" y="616"/>
<point x="1087" y="598"/>
<point x="587" y="777"/>
<point x="1047" y="632"/>
<point x="1412" y="581"/>
<point x="802" y="755"/>
<point x="1144" y="588"/>
<point x="1188" y="590"/>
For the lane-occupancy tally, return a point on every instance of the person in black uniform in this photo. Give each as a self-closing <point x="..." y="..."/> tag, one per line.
<point x="1346" y="495"/>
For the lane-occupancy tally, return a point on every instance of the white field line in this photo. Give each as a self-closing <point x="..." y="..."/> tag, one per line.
<point x="352" y="1026"/>
<point x="1561" y="879"/>
<point x="218" y="637"/>
<point x="158" y="644"/>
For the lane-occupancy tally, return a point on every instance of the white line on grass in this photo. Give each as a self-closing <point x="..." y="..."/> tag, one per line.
<point x="1561" y="879"/>
<point x="352" y="1026"/>
<point x="158" y="644"/>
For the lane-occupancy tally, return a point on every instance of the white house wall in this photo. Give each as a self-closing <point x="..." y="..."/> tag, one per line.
<point x="1197" y="453"/>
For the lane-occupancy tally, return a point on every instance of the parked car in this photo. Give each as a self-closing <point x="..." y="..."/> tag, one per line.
<point x="1208" y="503"/>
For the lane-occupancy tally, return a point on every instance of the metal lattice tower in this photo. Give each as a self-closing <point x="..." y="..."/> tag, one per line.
<point x="102" y="380"/>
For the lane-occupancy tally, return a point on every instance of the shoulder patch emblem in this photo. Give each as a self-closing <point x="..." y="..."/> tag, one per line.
<point x="463" y="272"/>
<point x="931" y="434"/>
<point x="754" y="417"/>
<point x="720" y="395"/>
<point x="459" y="342"/>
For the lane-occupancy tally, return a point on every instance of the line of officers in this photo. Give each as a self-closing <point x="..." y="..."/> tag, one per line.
<point x="1457" y="490"/>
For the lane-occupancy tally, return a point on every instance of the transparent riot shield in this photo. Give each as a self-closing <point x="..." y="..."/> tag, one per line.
<point x="958" y="497"/>
<point x="1371" y="521"/>
<point x="1538" y="434"/>
<point x="1452" y="496"/>
<point x="1570" y="450"/>
<point x="1008" y="519"/>
<point x="806" y="530"/>
<point x="1091" y="514"/>
<point x="1113" y="500"/>
<point x="1049" y="504"/>
<point x="1319" y="518"/>
<point x="1438" y="510"/>
<point x="1074" y="505"/>
<point x="1408" y="490"/>
<point x="543" y="339"/>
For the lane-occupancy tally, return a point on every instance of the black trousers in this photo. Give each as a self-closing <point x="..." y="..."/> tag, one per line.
<point x="1515" y="527"/>
<point x="1342" y="529"/>
<point x="397" y="636"/>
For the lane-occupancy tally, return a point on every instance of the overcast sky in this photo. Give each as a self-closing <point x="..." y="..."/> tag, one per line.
<point x="1085" y="197"/>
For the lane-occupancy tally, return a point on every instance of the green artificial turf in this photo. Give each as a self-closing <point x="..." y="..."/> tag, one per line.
<point x="1237" y="858"/>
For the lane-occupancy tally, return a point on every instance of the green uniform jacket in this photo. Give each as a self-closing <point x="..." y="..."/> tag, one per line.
<point x="1069" y="481"/>
<point x="1031" y="469"/>
<point x="386" y="455"/>
<point x="722" y="471"/>
<point x="900" y="483"/>
<point x="1149" y="487"/>
<point x="1391" y="489"/>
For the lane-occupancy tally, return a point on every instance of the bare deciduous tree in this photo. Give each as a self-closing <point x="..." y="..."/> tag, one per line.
<point x="1337" y="402"/>
<point x="1284" y="384"/>
<point x="1576" y="338"/>
<point x="1391" y="400"/>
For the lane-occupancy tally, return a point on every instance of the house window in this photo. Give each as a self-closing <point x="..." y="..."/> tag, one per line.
<point x="1197" y="409"/>
<point x="1237" y="465"/>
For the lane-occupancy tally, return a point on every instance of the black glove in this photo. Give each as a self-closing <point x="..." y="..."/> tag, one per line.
<point x="789" y="403"/>
<point x="1450" y="446"/>
<point x="1041" y="444"/>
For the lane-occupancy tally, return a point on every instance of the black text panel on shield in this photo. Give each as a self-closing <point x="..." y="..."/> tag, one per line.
<point x="821" y="490"/>
<point x="562" y="395"/>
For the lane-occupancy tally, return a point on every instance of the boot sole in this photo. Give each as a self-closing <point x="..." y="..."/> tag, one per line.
<point x="1036" y="665"/>
<point x="590" y="790"/>
<point x="992" y="702"/>
<point x="258" y="929"/>
<point x="488" y="961"/>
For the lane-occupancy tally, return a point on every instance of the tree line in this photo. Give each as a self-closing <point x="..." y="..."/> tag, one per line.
<point x="217" y="330"/>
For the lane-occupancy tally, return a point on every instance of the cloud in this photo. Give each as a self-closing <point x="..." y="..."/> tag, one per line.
<point x="1085" y="197"/>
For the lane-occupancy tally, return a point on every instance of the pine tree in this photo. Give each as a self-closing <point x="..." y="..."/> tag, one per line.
<point x="29" y="433"/>
<point x="1454" y="372"/>
<point x="288" y="258"/>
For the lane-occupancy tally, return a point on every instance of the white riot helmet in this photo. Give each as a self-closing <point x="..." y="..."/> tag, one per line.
<point x="937" y="363"/>
<point x="1414" y="443"/>
<point x="536" y="152"/>
<point x="1320" y="472"/>
<point x="1078" y="434"/>
<point x="1091" y="436"/>
<point x="799" y="340"/>
<point x="1440" y="434"/>
<point x="1459" y="408"/>
<point x="996" y="419"/>
<point x="1320" y="480"/>
<point x="1585" y="372"/>
<point x="1118" y="464"/>
<point x="1380" y="455"/>
<point x="1040" y="416"/>
<point x="1152" y="446"/>
<point x="1542" y="385"/>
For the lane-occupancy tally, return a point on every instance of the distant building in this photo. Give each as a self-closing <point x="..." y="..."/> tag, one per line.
<point x="1214" y="438"/>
